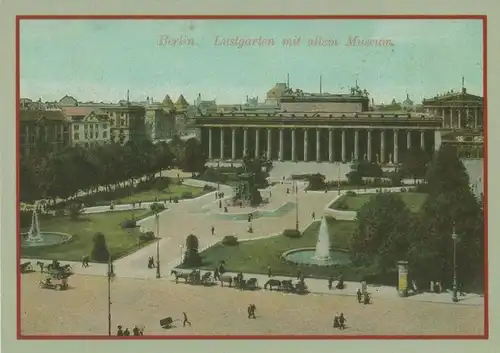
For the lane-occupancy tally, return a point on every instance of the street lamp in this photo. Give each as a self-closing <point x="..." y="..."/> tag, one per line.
<point x="110" y="275"/>
<point x="181" y="249"/>
<point x="157" y="217"/>
<point x="296" y="206"/>
<point x="454" y="237"/>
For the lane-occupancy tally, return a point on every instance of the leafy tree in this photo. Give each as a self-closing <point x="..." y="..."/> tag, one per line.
<point x="414" y="164"/>
<point x="194" y="158"/>
<point x="177" y="148"/>
<point x="99" y="251"/>
<point x="447" y="173"/>
<point x="191" y="255"/>
<point x="384" y="229"/>
<point x="75" y="210"/>
<point x="354" y="177"/>
<point x="368" y="169"/>
<point x="192" y="242"/>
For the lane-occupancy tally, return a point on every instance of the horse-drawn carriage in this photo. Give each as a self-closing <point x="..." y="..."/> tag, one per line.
<point x="59" y="284"/>
<point x="193" y="277"/>
<point x="26" y="267"/>
<point x="249" y="284"/>
<point x="287" y="286"/>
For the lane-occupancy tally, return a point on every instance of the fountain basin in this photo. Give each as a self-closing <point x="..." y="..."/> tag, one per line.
<point x="46" y="239"/>
<point x="307" y="256"/>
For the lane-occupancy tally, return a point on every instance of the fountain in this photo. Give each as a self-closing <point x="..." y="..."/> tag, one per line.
<point x="323" y="243"/>
<point x="322" y="255"/>
<point x="35" y="237"/>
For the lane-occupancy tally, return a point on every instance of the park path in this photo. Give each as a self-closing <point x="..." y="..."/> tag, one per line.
<point x="188" y="218"/>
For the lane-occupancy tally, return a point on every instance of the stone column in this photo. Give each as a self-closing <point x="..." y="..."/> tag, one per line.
<point x="459" y="119"/>
<point x="437" y="140"/>
<point x="475" y="118"/>
<point x="369" y="146"/>
<point x="269" y="144"/>
<point x="343" y="147"/>
<point x="451" y="118"/>
<point x="408" y="140"/>
<point x="294" y="157"/>
<point x="221" y="143"/>
<point x="245" y="141"/>
<point x="305" y="145"/>
<point x="356" y="145"/>
<point x="422" y="140"/>
<point x="330" y="145"/>
<point x="233" y="144"/>
<point x="382" y="146"/>
<point x="257" y="143"/>
<point x="466" y="115"/>
<point x="209" y="143"/>
<point x="396" y="147"/>
<point x="318" y="145"/>
<point x="281" y="146"/>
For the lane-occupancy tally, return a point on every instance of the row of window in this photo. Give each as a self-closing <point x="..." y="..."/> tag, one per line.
<point x="90" y="126"/>
<point x="76" y="135"/>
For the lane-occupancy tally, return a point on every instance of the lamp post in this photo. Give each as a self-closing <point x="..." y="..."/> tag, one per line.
<point x="454" y="237"/>
<point x="110" y="274"/>
<point x="158" y="273"/>
<point x="181" y="248"/>
<point x="296" y="206"/>
<point x="338" y="179"/>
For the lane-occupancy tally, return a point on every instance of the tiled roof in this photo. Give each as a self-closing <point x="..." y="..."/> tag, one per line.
<point x="82" y="111"/>
<point x="167" y="101"/>
<point x="34" y="115"/>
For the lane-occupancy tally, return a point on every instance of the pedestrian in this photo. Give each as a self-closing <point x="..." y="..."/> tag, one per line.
<point x="126" y="332"/>
<point x="133" y="204"/>
<point x="358" y="294"/>
<point x="140" y="203"/>
<point x="213" y="230"/>
<point x="313" y="216"/>
<point x="216" y="274"/>
<point x="342" y="321"/>
<point x="251" y="311"/>
<point x="120" y="331"/>
<point x="185" y="320"/>
<point x="269" y="272"/>
<point x="336" y="323"/>
<point x="135" y="331"/>
<point x="431" y="286"/>
<point x="330" y="282"/>
<point x="85" y="261"/>
<point x="364" y="286"/>
<point x="270" y="194"/>
<point x="299" y="273"/>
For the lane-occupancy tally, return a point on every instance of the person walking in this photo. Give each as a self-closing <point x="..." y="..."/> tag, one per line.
<point x="342" y="321"/>
<point x="313" y="216"/>
<point x="330" y="282"/>
<point x="213" y="230"/>
<point x="85" y="261"/>
<point x="299" y="274"/>
<point x="120" y="331"/>
<point x="336" y="323"/>
<point x="251" y="311"/>
<point x="269" y="272"/>
<point x="135" y="331"/>
<point x="126" y="332"/>
<point x="185" y="320"/>
<point x="359" y="295"/>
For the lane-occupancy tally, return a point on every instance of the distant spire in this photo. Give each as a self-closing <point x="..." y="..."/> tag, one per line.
<point x="128" y="96"/>
<point x="320" y="85"/>
<point x="287" y="80"/>
<point x="463" y="82"/>
<point x="357" y="84"/>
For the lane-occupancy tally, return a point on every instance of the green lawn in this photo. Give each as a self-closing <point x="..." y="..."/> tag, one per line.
<point x="413" y="200"/>
<point x="120" y="241"/>
<point x="172" y="191"/>
<point x="254" y="256"/>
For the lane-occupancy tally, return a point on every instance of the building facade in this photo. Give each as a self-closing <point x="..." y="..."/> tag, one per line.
<point x="127" y="122"/>
<point x="42" y="132"/>
<point x="160" y="123"/>
<point x="458" y="110"/>
<point x="88" y="126"/>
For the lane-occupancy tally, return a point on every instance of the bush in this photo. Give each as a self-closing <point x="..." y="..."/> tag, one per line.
<point x="74" y="209"/>
<point x="207" y="187"/>
<point x="354" y="177"/>
<point x="192" y="242"/>
<point x="148" y="236"/>
<point x="341" y="206"/>
<point x="192" y="258"/>
<point x="291" y="233"/>
<point x="128" y="223"/>
<point x="59" y="213"/>
<point x="99" y="251"/>
<point x="316" y="182"/>
<point x="350" y="193"/>
<point x="230" y="240"/>
<point x="157" y="207"/>
<point x="187" y="195"/>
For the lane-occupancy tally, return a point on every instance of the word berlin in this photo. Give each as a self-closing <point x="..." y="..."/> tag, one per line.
<point x="318" y="41"/>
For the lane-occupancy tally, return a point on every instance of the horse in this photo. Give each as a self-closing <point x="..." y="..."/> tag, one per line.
<point x="227" y="279"/>
<point x="41" y="265"/>
<point x="181" y="274"/>
<point x="273" y="283"/>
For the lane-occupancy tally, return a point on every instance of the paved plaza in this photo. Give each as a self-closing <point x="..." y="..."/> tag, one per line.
<point x="217" y="311"/>
<point x="140" y="298"/>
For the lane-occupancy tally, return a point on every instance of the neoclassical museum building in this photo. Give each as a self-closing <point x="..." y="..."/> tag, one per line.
<point x="319" y="128"/>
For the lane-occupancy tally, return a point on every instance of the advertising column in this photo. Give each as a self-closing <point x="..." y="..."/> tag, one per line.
<point x="403" y="278"/>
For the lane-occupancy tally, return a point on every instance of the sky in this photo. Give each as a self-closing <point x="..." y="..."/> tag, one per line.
<point x="99" y="60"/>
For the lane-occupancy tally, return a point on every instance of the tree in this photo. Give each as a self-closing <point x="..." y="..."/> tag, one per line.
<point x="194" y="158"/>
<point x="75" y="209"/>
<point x="191" y="255"/>
<point x="447" y="173"/>
<point x="177" y="147"/>
<point x="414" y="164"/>
<point x="384" y="228"/>
<point x="100" y="251"/>
<point x="316" y="182"/>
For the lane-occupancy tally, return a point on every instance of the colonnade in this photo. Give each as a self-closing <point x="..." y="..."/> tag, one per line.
<point x="458" y="117"/>
<point x="386" y="148"/>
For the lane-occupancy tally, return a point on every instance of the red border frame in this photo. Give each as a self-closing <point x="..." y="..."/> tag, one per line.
<point x="258" y="17"/>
